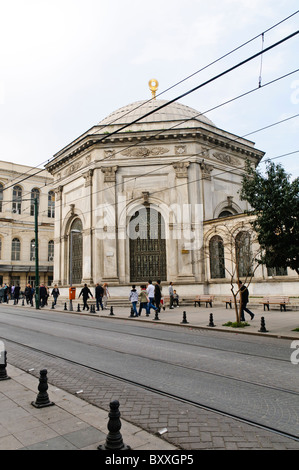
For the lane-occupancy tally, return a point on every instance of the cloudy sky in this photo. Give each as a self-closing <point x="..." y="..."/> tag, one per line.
<point x="67" y="64"/>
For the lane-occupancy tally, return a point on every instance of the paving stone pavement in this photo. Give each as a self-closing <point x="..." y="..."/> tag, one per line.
<point x="188" y="427"/>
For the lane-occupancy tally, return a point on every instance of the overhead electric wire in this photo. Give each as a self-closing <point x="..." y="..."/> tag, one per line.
<point x="198" y="71"/>
<point x="186" y="158"/>
<point x="198" y="87"/>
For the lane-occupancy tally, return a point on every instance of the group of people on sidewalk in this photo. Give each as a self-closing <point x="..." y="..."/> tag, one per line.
<point x="101" y="296"/>
<point x="150" y="297"/>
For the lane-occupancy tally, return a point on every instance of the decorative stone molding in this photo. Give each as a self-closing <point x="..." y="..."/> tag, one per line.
<point x="144" y="151"/>
<point x="72" y="168"/>
<point x="225" y="158"/>
<point x="109" y="174"/>
<point x="58" y="193"/>
<point x="181" y="169"/>
<point x="88" y="178"/>
<point x="110" y="153"/>
<point x="206" y="171"/>
<point x="180" y="149"/>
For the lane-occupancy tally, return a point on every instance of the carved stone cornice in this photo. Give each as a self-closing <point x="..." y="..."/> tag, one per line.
<point x="144" y="151"/>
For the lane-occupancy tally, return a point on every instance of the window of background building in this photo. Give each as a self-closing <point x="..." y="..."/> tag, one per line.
<point x="51" y="250"/>
<point x="17" y="200"/>
<point x="51" y="204"/>
<point x="1" y="196"/>
<point x="16" y="249"/>
<point x="34" y="195"/>
<point x="32" y="250"/>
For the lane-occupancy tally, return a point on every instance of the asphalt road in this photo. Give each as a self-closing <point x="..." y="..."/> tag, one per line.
<point x="249" y="377"/>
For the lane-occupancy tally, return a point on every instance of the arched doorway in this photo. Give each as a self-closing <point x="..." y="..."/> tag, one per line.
<point x="75" y="244"/>
<point x="147" y="246"/>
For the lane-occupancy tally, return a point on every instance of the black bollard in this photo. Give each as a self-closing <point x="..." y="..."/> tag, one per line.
<point x="263" y="326"/>
<point x="131" y="313"/>
<point x="78" y="308"/>
<point x="114" y="440"/>
<point x="65" y="307"/>
<point x="42" y="399"/>
<point x="23" y="303"/>
<point x="3" y="364"/>
<point x="211" y="323"/>
<point x="156" y="315"/>
<point x="111" y="311"/>
<point x="53" y="306"/>
<point x="184" y="318"/>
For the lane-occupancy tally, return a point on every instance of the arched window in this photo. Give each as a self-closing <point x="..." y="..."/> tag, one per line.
<point x="34" y="195"/>
<point x="76" y="252"/>
<point x="243" y="254"/>
<point x="15" y="249"/>
<point x="17" y="200"/>
<point x="51" y="250"/>
<point x="217" y="264"/>
<point x="32" y="250"/>
<point x="1" y="196"/>
<point x="51" y="204"/>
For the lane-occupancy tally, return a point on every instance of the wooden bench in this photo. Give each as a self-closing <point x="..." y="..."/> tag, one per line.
<point x="281" y="300"/>
<point x="229" y="301"/>
<point x="207" y="299"/>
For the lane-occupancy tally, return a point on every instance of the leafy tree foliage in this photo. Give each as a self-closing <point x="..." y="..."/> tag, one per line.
<point x="275" y="202"/>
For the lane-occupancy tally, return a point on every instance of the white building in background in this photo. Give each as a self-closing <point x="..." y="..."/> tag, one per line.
<point x="156" y="198"/>
<point x="19" y="186"/>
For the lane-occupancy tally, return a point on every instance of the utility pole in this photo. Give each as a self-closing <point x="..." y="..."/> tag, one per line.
<point x="36" y="253"/>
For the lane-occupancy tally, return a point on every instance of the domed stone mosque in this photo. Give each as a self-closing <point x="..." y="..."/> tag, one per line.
<point x="152" y="192"/>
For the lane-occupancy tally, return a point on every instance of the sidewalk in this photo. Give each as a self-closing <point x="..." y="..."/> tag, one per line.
<point x="71" y="424"/>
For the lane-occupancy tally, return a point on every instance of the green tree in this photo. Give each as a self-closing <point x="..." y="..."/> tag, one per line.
<point x="274" y="199"/>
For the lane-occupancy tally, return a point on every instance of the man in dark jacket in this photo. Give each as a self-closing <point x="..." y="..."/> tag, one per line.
<point x="244" y="294"/>
<point x="85" y="292"/>
<point x="99" y="292"/>
<point x="43" y="294"/>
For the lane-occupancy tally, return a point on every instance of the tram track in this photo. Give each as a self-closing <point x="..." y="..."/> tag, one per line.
<point x="167" y="395"/>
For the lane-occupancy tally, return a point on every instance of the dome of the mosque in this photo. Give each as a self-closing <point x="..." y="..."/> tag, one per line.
<point x="155" y="111"/>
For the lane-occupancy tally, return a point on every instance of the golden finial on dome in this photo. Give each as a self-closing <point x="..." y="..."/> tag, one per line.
<point x="153" y="84"/>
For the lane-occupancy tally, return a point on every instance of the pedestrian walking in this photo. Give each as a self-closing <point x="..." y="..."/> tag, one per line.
<point x="17" y="290"/>
<point x="28" y="294"/>
<point x="85" y="292"/>
<point x="43" y="294"/>
<point x="55" y="293"/>
<point x="133" y="297"/>
<point x="99" y="292"/>
<point x="1" y="294"/>
<point x="151" y="297"/>
<point x="143" y="299"/>
<point x="170" y="290"/>
<point x="244" y="294"/>
<point x="105" y="295"/>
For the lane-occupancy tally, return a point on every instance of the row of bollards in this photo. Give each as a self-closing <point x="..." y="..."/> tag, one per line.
<point x="114" y="440"/>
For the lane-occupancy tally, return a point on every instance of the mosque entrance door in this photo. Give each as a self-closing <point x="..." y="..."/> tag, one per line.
<point x="147" y="246"/>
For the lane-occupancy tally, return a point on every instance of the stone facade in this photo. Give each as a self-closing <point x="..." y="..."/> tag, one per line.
<point x="19" y="184"/>
<point x="148" y="195"/>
